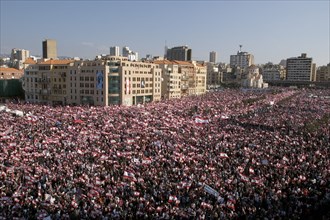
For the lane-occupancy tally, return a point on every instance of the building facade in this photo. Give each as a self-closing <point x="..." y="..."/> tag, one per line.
<point x="213" y="57"/>
<point x="49" y="49"/>
<point x="18" y="57"/>
<point x="131" y="56"/>
<point x="241" y="60"/>
<point x="46" y="82"/>
<point x="171" y="79"/>
<point x="11" y="84"/>
<point x="323" y="73"/>
<point x="181" y="53"/>
<point x="252" y="78"/>
<point x="10" y="73"/>
<point x="300" y="68"/>
<point x="114" y="51"/>
<point x="273" y="72"/>
<point x="106" y="81"/>
<point x="193" y="77"/>
<point x="214" y="76"/>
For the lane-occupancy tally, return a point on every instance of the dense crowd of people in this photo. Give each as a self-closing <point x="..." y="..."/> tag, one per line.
<point x="223" y="155"/>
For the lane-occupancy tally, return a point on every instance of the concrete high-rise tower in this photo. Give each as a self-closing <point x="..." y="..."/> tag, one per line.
<point x="213" y="57"/>
<point x="49" y="49"/>
<point x="114" y="51"/>
<point x="182" y="53"/>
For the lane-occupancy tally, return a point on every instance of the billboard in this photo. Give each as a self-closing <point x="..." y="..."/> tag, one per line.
<point x="99" y="78"/>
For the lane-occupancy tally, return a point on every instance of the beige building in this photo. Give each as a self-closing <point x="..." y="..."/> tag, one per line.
<point x="241" y="60"/>
<point x="182" y="78"/>
<point x="131" y="83"/>
<point x="49" y="49"/>
<point x="214" y="76"/>
<point x="323" y="73"/>
<point x="10" y="73"/>
<point x="18" y="57"/>
<point x="46" y="82"/>
<point x="105" y="81"/>
<point x="193" y="77"/>
<point x="171" y="79"/>
<point x="252" y="78"/>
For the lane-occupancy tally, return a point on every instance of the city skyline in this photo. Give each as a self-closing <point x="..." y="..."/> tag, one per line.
<point x="271" y="31"/>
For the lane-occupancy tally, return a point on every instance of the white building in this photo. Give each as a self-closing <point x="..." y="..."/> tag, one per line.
<point x="252" y="78"/>
<point x="241" y="60"/>
<point x="18" y="57"/>
<point x="132" y="56"/>
<point x="114" y="51"/>
<point x="272" y="72"/>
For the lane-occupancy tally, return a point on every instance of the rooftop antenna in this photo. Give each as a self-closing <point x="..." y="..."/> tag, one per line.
<point x="240" y="47"/>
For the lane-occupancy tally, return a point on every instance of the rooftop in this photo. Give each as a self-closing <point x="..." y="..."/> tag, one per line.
<point x="57" y="62"/>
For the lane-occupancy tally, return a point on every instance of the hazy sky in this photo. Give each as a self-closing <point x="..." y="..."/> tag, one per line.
<point x="270" y="30"/>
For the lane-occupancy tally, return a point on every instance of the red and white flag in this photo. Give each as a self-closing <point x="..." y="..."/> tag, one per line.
<point x="200" y="120"/>
<point x="130" y="140"/>
<point x="130" y="176"/>
<point x="223" y="155"/>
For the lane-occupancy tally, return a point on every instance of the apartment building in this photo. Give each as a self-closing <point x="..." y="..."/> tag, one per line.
<point x="109" y="80"/>
<point x="214" y="76"/>
<point x="181" y="53"/>
<point x="300" y="68"/>
<point x="18" y="57"/>
<point x="213" y="57"/>
<point x="171" y="79"/>
<point x="200" y="78"/>
<point x="241" y="60"/>
<point x="49" y="49"/>
<point x="273" y="72"/>
<point x="323" y="73"/>
<point x="46" y="82"/>
<point x="193" y="77"/>
<point x="114" y="51"/>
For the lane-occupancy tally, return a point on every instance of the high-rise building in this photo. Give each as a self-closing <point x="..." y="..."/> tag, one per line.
<point x="213" y="57"/>
<point x="300" y="68"/>
<point x="114" y="51"/>
<point x="18" y="57"/>
<point x="323" y="73"/>
<point x="241" y="60"/>
<point x="181" y="53"/>
<point x="49" y="49"/>
<point x="132" y="56"/>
